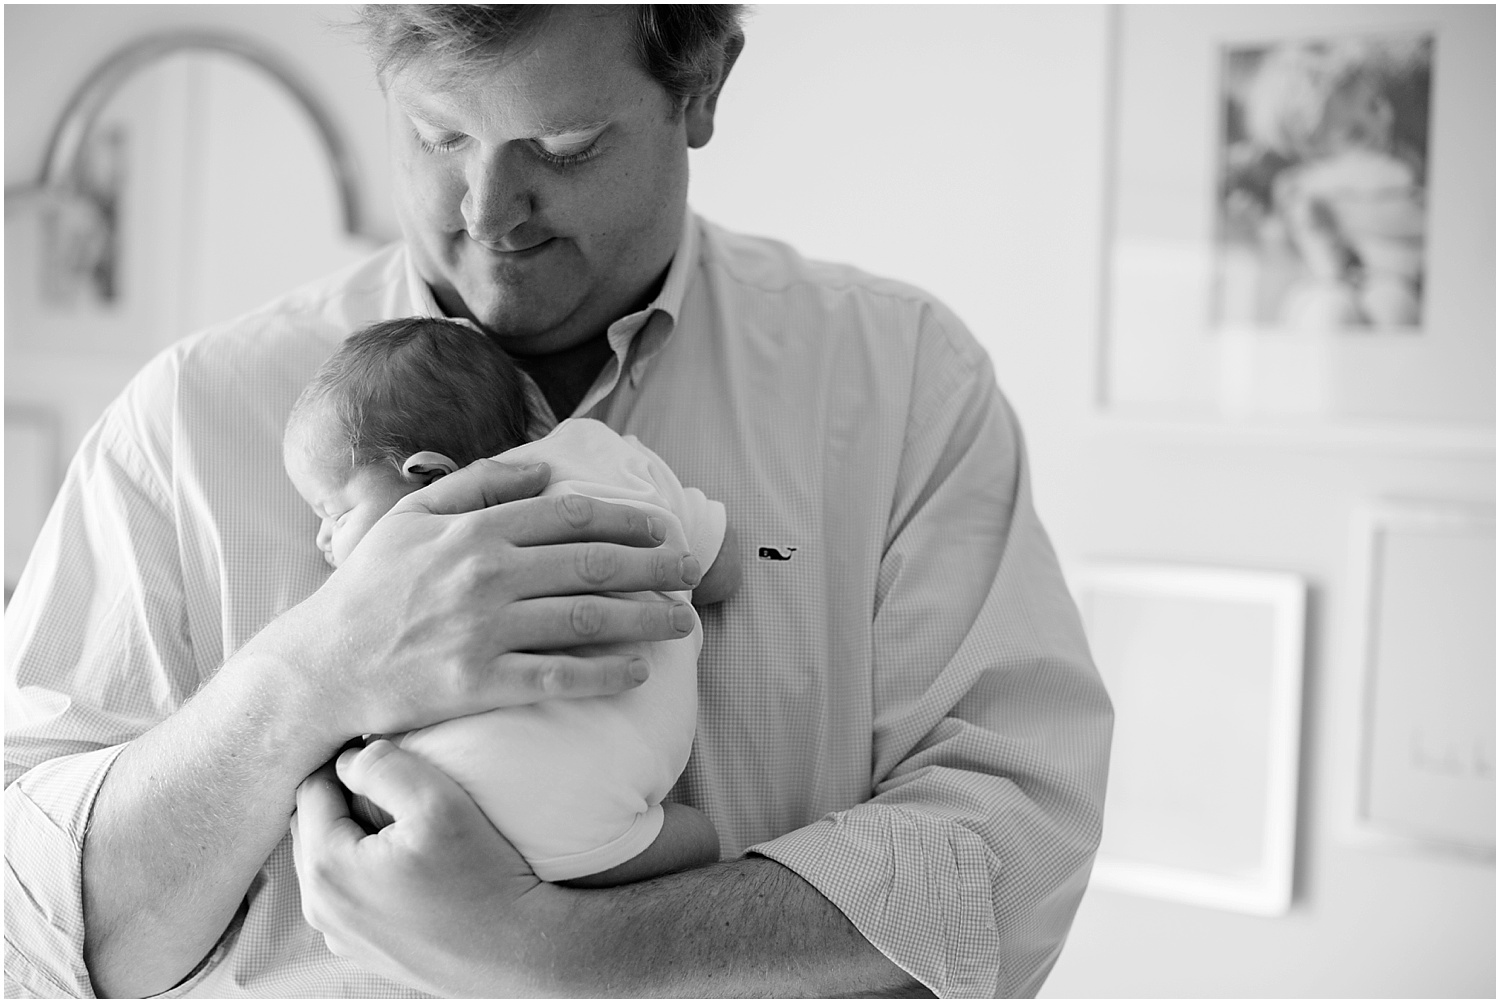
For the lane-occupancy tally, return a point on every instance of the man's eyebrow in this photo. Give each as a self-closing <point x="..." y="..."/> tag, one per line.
<point x="568" y="127"/>
<point x="545" y="128"/>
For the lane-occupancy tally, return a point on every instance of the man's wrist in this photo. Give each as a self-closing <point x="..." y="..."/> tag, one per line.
<point x="551" y="946"/>
<point x="533" y="947"/>
<point x="281" y="702"/>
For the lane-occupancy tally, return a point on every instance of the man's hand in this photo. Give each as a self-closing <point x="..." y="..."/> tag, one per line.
<point x="473" y="594"/>
<point x="425" y="896"/>
<point x="440" y="901"/>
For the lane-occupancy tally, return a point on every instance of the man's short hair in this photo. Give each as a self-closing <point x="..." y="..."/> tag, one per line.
<point x="399" y="387"/>
<point x="682" y="46"/>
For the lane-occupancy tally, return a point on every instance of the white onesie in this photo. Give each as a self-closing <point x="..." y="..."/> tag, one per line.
<point x="577" y="785"/>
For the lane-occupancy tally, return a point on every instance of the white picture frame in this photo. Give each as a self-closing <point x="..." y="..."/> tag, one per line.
<point x="1424" y="670"/>
<point x="1204" y="666"/>
<point x="1161" y="360"/>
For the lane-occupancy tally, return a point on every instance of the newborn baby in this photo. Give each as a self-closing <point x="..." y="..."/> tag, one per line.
<point x="577" y="785"/>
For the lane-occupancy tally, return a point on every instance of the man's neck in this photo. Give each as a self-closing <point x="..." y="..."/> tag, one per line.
<point x="565" y="377"/>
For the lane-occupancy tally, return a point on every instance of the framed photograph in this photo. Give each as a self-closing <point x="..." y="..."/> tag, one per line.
<point x="1426" y="765"/>
<point x="1205" y="670"/>
<point x="1302" y="220"/>
<point x="1321" y="194"/>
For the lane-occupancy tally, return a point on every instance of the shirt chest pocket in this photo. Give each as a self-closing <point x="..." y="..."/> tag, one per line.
<point x="768" y="643"/>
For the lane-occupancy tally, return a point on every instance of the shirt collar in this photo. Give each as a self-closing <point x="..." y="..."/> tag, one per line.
<point x="679" y="274"/>
<point x="648" y="329"/>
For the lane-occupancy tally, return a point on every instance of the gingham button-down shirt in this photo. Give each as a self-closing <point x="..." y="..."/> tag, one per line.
<point x="898" y="704"/>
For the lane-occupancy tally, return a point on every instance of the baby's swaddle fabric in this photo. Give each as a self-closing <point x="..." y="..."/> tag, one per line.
<point x="577" y="785"/>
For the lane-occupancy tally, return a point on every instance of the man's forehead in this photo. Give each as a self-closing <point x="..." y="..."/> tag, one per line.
<point x="567" y="76"/>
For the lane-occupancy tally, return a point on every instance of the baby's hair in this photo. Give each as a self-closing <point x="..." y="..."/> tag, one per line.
<point x="399" y="387"/>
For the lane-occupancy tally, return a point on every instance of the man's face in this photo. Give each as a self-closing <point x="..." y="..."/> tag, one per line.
<point x="541" y="194"/>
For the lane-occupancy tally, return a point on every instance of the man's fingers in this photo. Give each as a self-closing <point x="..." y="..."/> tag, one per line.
<point x="577" y="568"/>
<point x="481" y="484"/>
<point x="574" y="518"/>
<point x="579" y="544"/>
<point x="567" y="518"/>
<point x="559" y="623"/>
<point x="525" y="677"/>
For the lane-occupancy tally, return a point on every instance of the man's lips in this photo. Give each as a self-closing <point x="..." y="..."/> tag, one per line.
<point x="511" y="247"/>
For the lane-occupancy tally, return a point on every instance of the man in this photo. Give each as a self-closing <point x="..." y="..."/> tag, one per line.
<point x="902" y="740"/>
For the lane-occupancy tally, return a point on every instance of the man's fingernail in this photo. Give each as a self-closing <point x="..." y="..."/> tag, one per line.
<point x="656" y="528"/>
<point x="691" y="571"/>
<point x="682" y="618"/>
<point x="639" y="670"/>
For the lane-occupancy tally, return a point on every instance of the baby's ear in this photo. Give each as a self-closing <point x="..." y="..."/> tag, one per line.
<point x="425" y="467"/>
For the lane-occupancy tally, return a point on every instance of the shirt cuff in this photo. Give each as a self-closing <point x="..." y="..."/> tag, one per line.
<point x="916" y="886"/>
<point x="46" y="815"/>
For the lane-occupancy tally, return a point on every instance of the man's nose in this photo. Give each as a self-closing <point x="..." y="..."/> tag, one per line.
<point x="498" y="197"/>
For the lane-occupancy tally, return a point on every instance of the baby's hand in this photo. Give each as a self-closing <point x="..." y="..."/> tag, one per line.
<point x="369" y="814"/>
<point x="364" y="811"/>
<point x="722" y="579"/>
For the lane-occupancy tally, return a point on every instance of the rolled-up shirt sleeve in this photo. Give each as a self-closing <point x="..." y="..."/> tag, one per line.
<point x="46" y="816"/>
<point x="991" y="725"/>
<point x="96" y="654"/>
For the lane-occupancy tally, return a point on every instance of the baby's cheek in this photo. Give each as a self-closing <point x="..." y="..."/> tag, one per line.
<point x="347" y="537"/>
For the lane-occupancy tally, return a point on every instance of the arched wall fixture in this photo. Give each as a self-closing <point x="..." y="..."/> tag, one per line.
<point x="61" y="165"/>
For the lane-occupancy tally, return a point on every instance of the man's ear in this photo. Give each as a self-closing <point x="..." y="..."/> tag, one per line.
<point x="699" y="112"/>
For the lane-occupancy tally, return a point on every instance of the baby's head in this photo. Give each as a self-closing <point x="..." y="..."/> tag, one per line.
<point x="401" y="403"/>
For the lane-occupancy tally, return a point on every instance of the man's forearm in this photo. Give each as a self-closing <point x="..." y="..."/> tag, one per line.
<point x="185" y="818"/>
<point x="748" y="927"/>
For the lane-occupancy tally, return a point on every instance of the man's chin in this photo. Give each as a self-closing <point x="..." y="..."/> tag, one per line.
<point x="527" y="310"/>
<point x="523" y="329"/>
<point x="498" y="306"/>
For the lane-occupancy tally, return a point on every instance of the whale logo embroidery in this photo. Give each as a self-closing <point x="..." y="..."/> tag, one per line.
<point x="776" y="553"/>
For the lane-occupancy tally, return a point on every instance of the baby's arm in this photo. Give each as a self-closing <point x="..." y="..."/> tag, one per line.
<point x="722" y="579"/>
<point x="687" y="839"/>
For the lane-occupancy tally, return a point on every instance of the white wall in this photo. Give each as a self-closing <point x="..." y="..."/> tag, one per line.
<point x="963" y="149"/>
